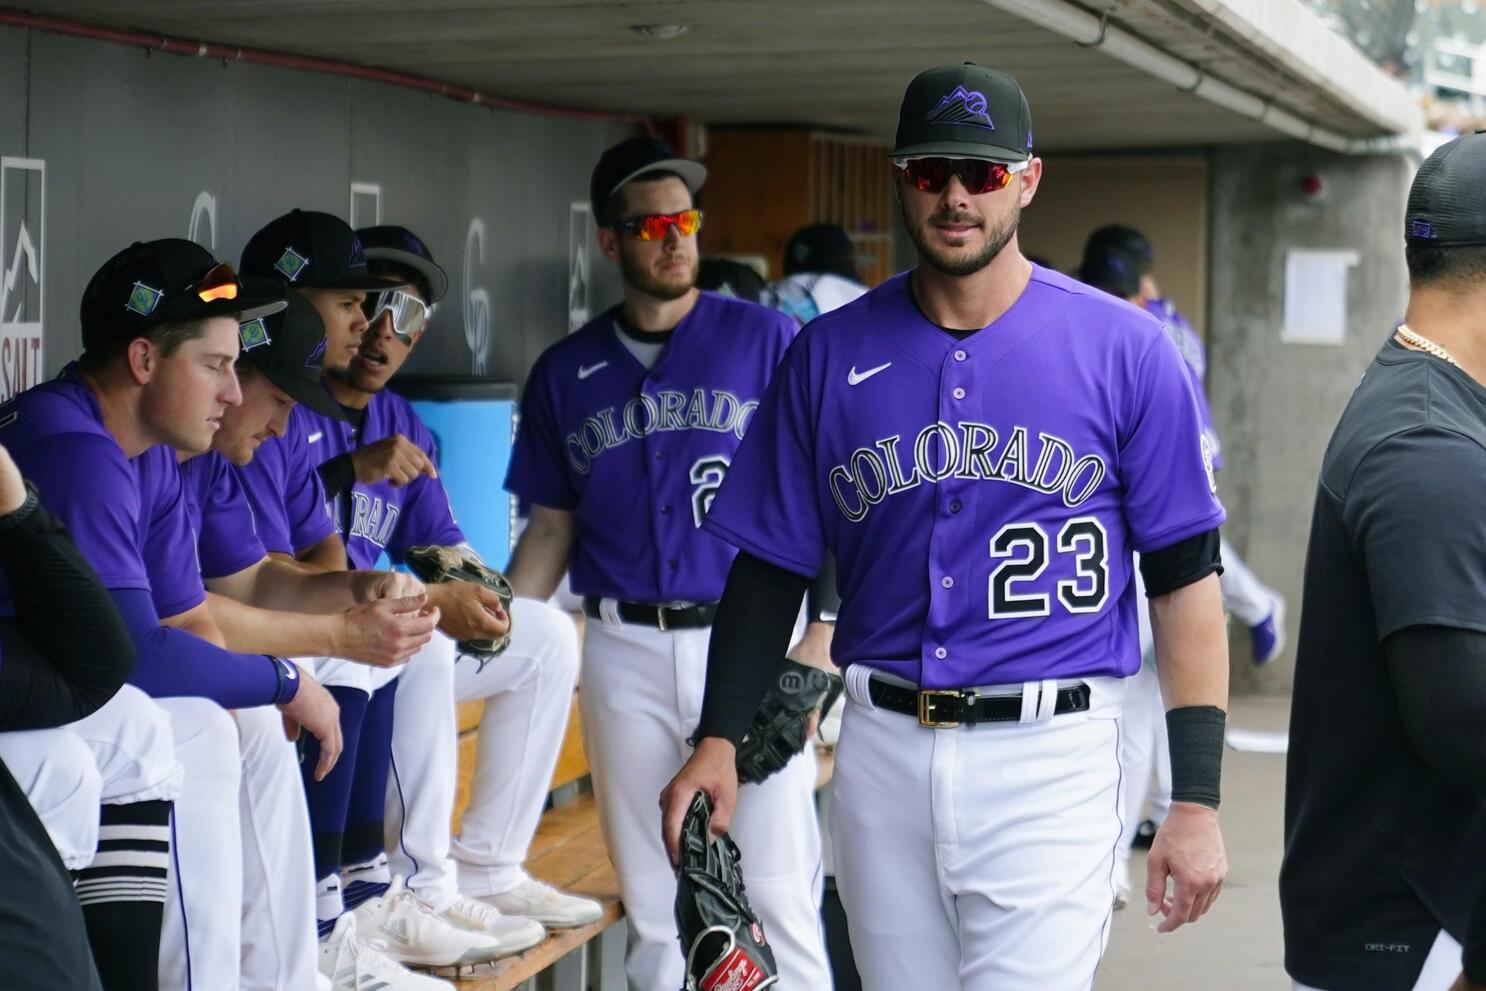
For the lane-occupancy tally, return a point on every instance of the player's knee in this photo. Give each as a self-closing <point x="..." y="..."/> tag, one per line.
<point x="206" y="737"/>
<point x="139" y="763"/>
<point x="56" y="770"/>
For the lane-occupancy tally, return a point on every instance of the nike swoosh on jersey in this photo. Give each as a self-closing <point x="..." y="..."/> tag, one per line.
<point x="314" y="438"/>
<point x="583" y="373"/>
<point x="854" y="377"/>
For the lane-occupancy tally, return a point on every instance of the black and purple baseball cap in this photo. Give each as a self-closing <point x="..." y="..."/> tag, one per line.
<point x="307" y="249"/>
<point x="390" y="243"/>
<point x="964" y="111"/>
<point x="151" y="283"/>
<point x="633" y="158"/>
<point x="288" y="347"/>
<point x="1447" y="202"/>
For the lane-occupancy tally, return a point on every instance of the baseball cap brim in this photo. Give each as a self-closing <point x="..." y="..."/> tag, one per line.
<point x="309" y="394"/>
<point x="694" y="174"/>
<point x="961" y="149"/>
<point x="243" y="308"/>
<point x="437" y="279"/>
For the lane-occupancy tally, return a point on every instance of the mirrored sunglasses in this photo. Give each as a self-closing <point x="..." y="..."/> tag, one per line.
<point x="655" y="226"/>
<point x="219" y="283"/>
<point x="409" y="313"/>
<point x="931" y="175"/>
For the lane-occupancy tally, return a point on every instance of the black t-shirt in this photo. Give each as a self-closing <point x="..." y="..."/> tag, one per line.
<point x="1380" y="853"/>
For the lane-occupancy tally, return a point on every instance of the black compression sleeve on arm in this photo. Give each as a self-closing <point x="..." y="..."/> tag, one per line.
<point x="1439" y="680"/>
<point x="822" y="601"/>
<point x="1182" y="563"/>
<point x="338" y="475"/>
<point x="67" y="650"/>
<point x="750" y="636"/>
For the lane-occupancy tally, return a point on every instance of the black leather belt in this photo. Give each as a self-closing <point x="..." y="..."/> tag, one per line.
<point x="962" y="706"/>
<point x="688" y="617"/>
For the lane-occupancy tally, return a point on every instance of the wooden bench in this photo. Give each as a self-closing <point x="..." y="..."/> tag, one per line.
<point x="568" y="852"/>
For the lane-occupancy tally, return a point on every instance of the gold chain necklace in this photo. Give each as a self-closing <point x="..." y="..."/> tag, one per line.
<point x="1424" y="344"/>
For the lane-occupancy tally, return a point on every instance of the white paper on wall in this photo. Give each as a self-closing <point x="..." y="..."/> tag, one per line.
<point x="1316" y="295"/>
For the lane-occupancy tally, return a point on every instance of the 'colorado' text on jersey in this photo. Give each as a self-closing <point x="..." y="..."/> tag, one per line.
<point x="381" y="517"/>
<point x="637" y="455"/>
<point x="982" y="496"/>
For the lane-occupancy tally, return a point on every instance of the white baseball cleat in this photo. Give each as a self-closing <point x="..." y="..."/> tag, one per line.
<point x="405" y="929"/>
<point x="552" y="908"/>
<point x="350" y="964"/>
<point x="514" y="933"/>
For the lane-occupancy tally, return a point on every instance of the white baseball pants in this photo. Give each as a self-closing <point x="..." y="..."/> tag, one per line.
<point x="978" y="858"/>
<point x="641" y="697"/>
<point x="528" y="692"/>
<point x="121" y="754"/>
<point x="239" y="913"/>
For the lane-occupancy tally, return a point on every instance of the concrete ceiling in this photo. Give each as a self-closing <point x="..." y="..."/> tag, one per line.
<point x="828" y="63"/>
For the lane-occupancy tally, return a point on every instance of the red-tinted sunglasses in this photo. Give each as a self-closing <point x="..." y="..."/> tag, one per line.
<point x="654" y="226"/>
<point x="931" y="175"/>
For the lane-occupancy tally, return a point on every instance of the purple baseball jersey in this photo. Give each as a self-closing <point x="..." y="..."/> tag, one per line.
<point x="1195" y="355"/>
<point x="982" y="496"/>
<point x="283" y="487"/>
<point x="226" y="541"/>
<point x="637" y="454"/>
<point x="113" y="506"/>
<point x="372" y="519"/>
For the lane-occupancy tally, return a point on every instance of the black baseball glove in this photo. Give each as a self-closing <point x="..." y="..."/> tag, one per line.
<point x="433" y="564"/>
<point x="781" y="725"/>
<point x="721" y="937"/>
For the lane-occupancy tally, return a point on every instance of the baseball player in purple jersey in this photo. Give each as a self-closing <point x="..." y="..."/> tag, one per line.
<point x="160" y="333"/>
<point x="320" y="258"/>
<point x="527" y="691"/>
<point x="982" y="443"/>
<point x="628" y="427"/>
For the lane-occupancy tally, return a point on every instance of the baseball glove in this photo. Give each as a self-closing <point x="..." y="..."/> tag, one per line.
<point x="435" y="564"/>
<point x="781" y="725"/>
<point x="721" y="937"/>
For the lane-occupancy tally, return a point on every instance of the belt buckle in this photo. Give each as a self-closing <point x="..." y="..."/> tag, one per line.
<point x="660" y="614"/>
<point x="926" y="707"/>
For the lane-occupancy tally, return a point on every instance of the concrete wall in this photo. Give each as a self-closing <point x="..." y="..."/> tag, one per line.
<point x="132" y="146"/>
<point x="1275" y="404"/>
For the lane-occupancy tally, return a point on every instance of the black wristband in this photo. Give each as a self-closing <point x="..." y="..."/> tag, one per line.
<point x="1195" y="736"/>
<point x="13" y="520"/>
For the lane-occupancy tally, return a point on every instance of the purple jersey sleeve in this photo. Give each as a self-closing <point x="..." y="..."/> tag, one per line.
<point x="539" y="467"/>
<point x="283" y="488"/>
<point x="68" y="475"/>
<point x="170" y="550"/>
<point x="777" y="519"/>
<point x="1166" y="463"/>
<point x="428" y="516"/>
<point x="226" y="541"/>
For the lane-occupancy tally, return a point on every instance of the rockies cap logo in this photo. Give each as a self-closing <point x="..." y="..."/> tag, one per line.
<point x="143" y="299"/>
<point x="291" y="264"/>
<point x="317" y="357"/>
<point x="961" y="106"/>
<point x="253" y="334"/>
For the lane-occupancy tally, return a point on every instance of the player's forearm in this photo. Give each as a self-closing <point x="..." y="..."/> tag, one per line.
<point x="290" y="588"/>
<point x="542" y="554"/>
<point x="1191" y="645"/>
<point x="253" y="630"/>
<point x="328" y="555"/>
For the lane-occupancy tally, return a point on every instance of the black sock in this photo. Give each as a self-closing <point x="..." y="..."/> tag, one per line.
<point x="122" y="894"/>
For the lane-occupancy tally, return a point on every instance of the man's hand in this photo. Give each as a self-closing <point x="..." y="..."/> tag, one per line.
<point x="385" y="632"/>
<point x="712" y="769"/>
<point x="393" y="459"/>
<point x="314" y="709"/>
<point x="470" y="611"/>
<point x="12" y="486"/>
<point x="389" y="585"/>
<point x="1188" y="848"/>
